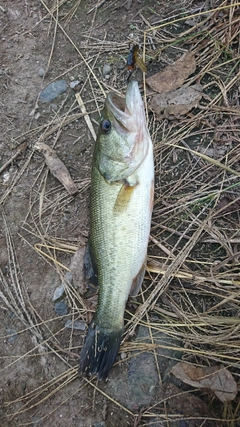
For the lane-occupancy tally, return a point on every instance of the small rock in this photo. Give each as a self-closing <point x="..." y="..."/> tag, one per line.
<point x="61" y="308"/>
<point x="37" y="115"/>
<point x="58" y="293"/>
<point x="32" y="113"/>
<point x="121" y="66"/>
<point x="12" y="335"/>
<point x="107" y="77"/>
<point x="2" y="72"/>
<point x="101" y="424"/>
<point x="41" y="72"/>
<point x="75" y="325"/>
<point x="106" y="69"/>
<point x="6" y="177"/>
<point x="123" y="355"/>
<point x="52" y="90"/>
<point x="66" y="217"/>
<point x="34" y="110"/>
<point x="74" y="84"/>
<point x="10" y="313"/>
<point x="53" y="107"/>
<point x="69" y="277"/>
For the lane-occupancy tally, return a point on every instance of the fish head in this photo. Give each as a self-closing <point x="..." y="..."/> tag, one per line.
<point x="123" y="138"/>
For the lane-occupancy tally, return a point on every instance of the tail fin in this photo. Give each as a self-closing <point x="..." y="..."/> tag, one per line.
<point x="99" y="351"/>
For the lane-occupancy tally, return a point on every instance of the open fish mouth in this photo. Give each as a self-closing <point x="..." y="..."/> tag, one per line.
<point x="127" y="112"/>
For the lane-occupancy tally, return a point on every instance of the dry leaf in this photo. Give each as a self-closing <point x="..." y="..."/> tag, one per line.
<point x="216" y="378"/>
<point x="57" y="168"/>
<point x="177" y="102"/>
<point x="174" y="75"/>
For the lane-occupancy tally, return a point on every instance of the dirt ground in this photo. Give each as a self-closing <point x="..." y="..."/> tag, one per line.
<point x="69" y="40"/>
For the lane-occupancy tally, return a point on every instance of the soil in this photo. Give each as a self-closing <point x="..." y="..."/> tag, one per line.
<point x="39" y="383"/>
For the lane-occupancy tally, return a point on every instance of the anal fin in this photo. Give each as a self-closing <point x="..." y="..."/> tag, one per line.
<point x="137" y="281"/>
<point x="89" y="266"/>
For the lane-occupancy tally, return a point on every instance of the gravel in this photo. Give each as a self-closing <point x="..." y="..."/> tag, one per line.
<point x="41" y="72"/>
<point x="61" y="308"/>
<point x="58" y="293"/>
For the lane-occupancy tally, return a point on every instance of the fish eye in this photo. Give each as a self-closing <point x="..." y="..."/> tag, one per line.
<point x="106" y="126"/>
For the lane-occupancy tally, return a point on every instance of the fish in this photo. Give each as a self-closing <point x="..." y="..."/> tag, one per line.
<point x="121" y="204"/>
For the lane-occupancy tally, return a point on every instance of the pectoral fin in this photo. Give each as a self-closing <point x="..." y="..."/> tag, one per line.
<point x="125" y="194"/>
<point x="137" y="281"/>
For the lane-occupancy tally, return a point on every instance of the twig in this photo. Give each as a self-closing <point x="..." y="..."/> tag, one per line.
<point x="86" y="116"/>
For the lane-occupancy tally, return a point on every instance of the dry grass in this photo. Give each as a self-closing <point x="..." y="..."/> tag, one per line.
<point x="194" y="256"/>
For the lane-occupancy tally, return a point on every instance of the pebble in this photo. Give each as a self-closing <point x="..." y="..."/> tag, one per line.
<point x="101" y="424"/>
<point x="6" y="177"/>
<point x="53" y="107"/>
<point x="121" y="66"/>
<point x="34" y="110"/>
<point x="61" y="308"/>
<point x="1" y="72"/>
<point x="10" y="313"/>
<point x="58" y="293"/>
<point x="37" y="115"/>
<point x="52" y="90"/>
<point x="106" y="69"/>
<point x="66" y="217"/>
<point x="12" y="335"/>
<point x="75" y="325"/>
<point x="123" y="355"/>
<point x="32" y="113"/>
<point x="74" y="84"/>
<point x="41" y="72"/>
<point x="69" y="277"/>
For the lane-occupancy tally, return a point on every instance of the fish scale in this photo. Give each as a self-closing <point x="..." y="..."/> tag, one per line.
<point x="120" y="239"/>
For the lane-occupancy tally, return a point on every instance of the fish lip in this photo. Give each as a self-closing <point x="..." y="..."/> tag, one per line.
<point x="127" y="112"/>
<point x="134" y="103"/>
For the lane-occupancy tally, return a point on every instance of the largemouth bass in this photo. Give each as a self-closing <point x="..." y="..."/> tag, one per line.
<point x="122" y="189"/>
